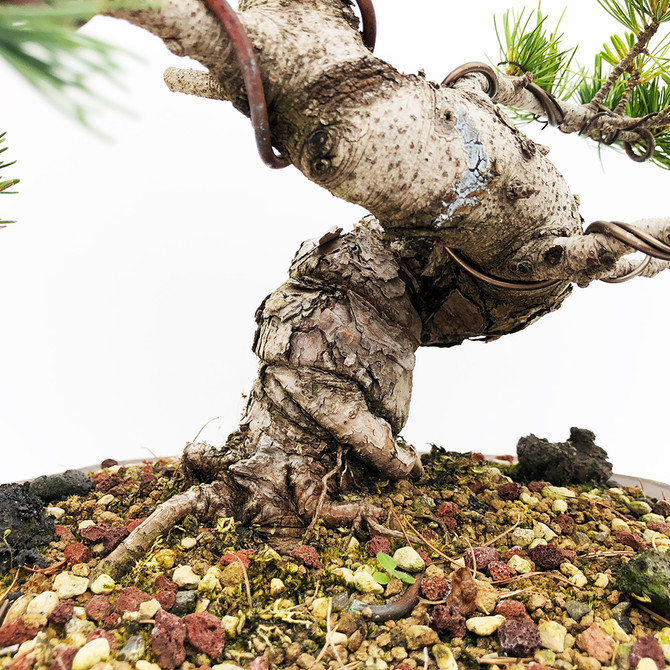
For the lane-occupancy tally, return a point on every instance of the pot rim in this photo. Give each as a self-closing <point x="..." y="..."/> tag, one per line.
<point x="650" y="487"/>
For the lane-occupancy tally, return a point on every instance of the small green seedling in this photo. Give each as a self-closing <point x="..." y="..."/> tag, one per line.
<point x="389" y="565"/>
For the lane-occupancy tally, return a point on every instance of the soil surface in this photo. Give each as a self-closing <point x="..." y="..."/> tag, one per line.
<point x="486" y="570"/>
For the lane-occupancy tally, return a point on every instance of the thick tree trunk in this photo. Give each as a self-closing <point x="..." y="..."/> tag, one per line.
<point x="439" y="168"/>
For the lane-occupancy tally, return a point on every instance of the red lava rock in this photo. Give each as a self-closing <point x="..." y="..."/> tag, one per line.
<point x="118" y="490"/>
<point x="204" y="632"/>
<point x="113" y="538"/>
<point x="108" y="463"/>
<point x="167" y="640"/>
<point x="259" y="663"/>
<point x="512" y="551"/>
<point x="451" y="523"/>
<point x="498" y="570"/>
<point x="64" y="533"/>
<point x="62" y="612"/>
<point x="378" y="543"/>
<point x="16" y="632"/>
<point x="662" y="507"/>
<point x="505" y="457"/>
<point x="483" y="557"/>
<point x="475" y="486"/>
<point x="477" y="457"/>
<point x="147" y="473"/>
<point x="435" y="588"/>
<point x="660" y="528"/>
<point x="110" y="637"/>
<point x="112" y="620"/>
<point x="646" y="647"/>
<point x="93" y="533"/>
<point x="131" y="524"/>
<point x="565" y="523"/>
<point x="511" y="609"/>
<point x="519" y="637"/>
<point x="307" y="555"/>
<point x="596" y="644"/>
<point x="538" y="666"/>
<point x="547" y="556"/>
<point x="98" y="608"/>
<point x="629" y="539"/>
<point x="166" y="599"/>
<point x="107" y="482"/>
<point x="403" y="666"/>
<point x="424" y="554"/>
<point x="447" y="509"/>
<point x="162" y="583"/>
<point x="63" y="657"/>
<point x="243" y="555"/>
<point x="448" y="618"/>
<point x="536" y="487"/>
<point x="22" y="662"/>
<point x="76" y="552"/>
<point x="510" y="491"/>
<point x="130" y="599"/>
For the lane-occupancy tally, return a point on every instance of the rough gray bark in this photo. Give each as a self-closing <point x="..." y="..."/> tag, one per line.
<point x="438" y="168"/>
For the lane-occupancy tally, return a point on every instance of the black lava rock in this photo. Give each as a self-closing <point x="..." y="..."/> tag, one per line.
<point x="24" y="526"/>
<point x="577" y="610"/>
<point x="61" y="486"/>
<point x="579" y="460"/>
<point x="184" y="603"/>
<point x="648" y="574"/>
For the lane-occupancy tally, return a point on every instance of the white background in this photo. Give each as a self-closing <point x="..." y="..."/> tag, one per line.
<point x="129" y="284"/>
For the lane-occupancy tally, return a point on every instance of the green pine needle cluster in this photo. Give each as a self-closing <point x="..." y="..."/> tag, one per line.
<point x="5" y="183"/>
<point x="527" y="44"/>
<point x="42" y="44"/>
<point x="636" y="14"/>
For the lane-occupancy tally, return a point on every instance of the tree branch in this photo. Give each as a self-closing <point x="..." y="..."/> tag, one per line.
<point x="623" y="65"/>
<point x="193" y="82"/>
<point x="586" y="258"/>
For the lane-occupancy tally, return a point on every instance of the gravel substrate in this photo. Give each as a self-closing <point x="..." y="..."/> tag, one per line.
<point x="505" y="574"/>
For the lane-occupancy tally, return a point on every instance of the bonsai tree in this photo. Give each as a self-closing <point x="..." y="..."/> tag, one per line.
<point x="472" y="232"/>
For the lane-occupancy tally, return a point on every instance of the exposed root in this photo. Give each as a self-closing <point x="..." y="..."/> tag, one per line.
<point x="203" y="500"/>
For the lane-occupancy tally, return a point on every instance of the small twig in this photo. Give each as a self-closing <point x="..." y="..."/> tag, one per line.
<point x="49" y="570"/>
<point x="329" y="633"/>
<point x="12" y="649"/>
<point x="322" y="497"/>
<point x="506" y="532"/>
<point x="639" y="46"/>
<point x="607" y="554"/>
<point x="246" y="579"/>
<point x="8" y="590"/>
<point x="502" y="660"/>
<point x="402" y="527"/>
<point x="653" y="614"/>
<point x="433" y="547"/>
<point x="633" y="81"/>
<point x="434" y="519"/>
<point x="203" y="428"/>
<point x="474" y="559"/>
<point x="511" y="594"/>
<point x="382" y="530"/>
<point x="551" y="575"/>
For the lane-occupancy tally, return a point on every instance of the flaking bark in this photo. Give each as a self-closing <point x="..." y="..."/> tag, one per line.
<point x="437" y="168"/>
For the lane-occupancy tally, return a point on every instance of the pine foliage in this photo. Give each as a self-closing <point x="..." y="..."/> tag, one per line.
<point x="527" y="44"/>
<point x="42" y="44"/>
<point x="5" y="183"/>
